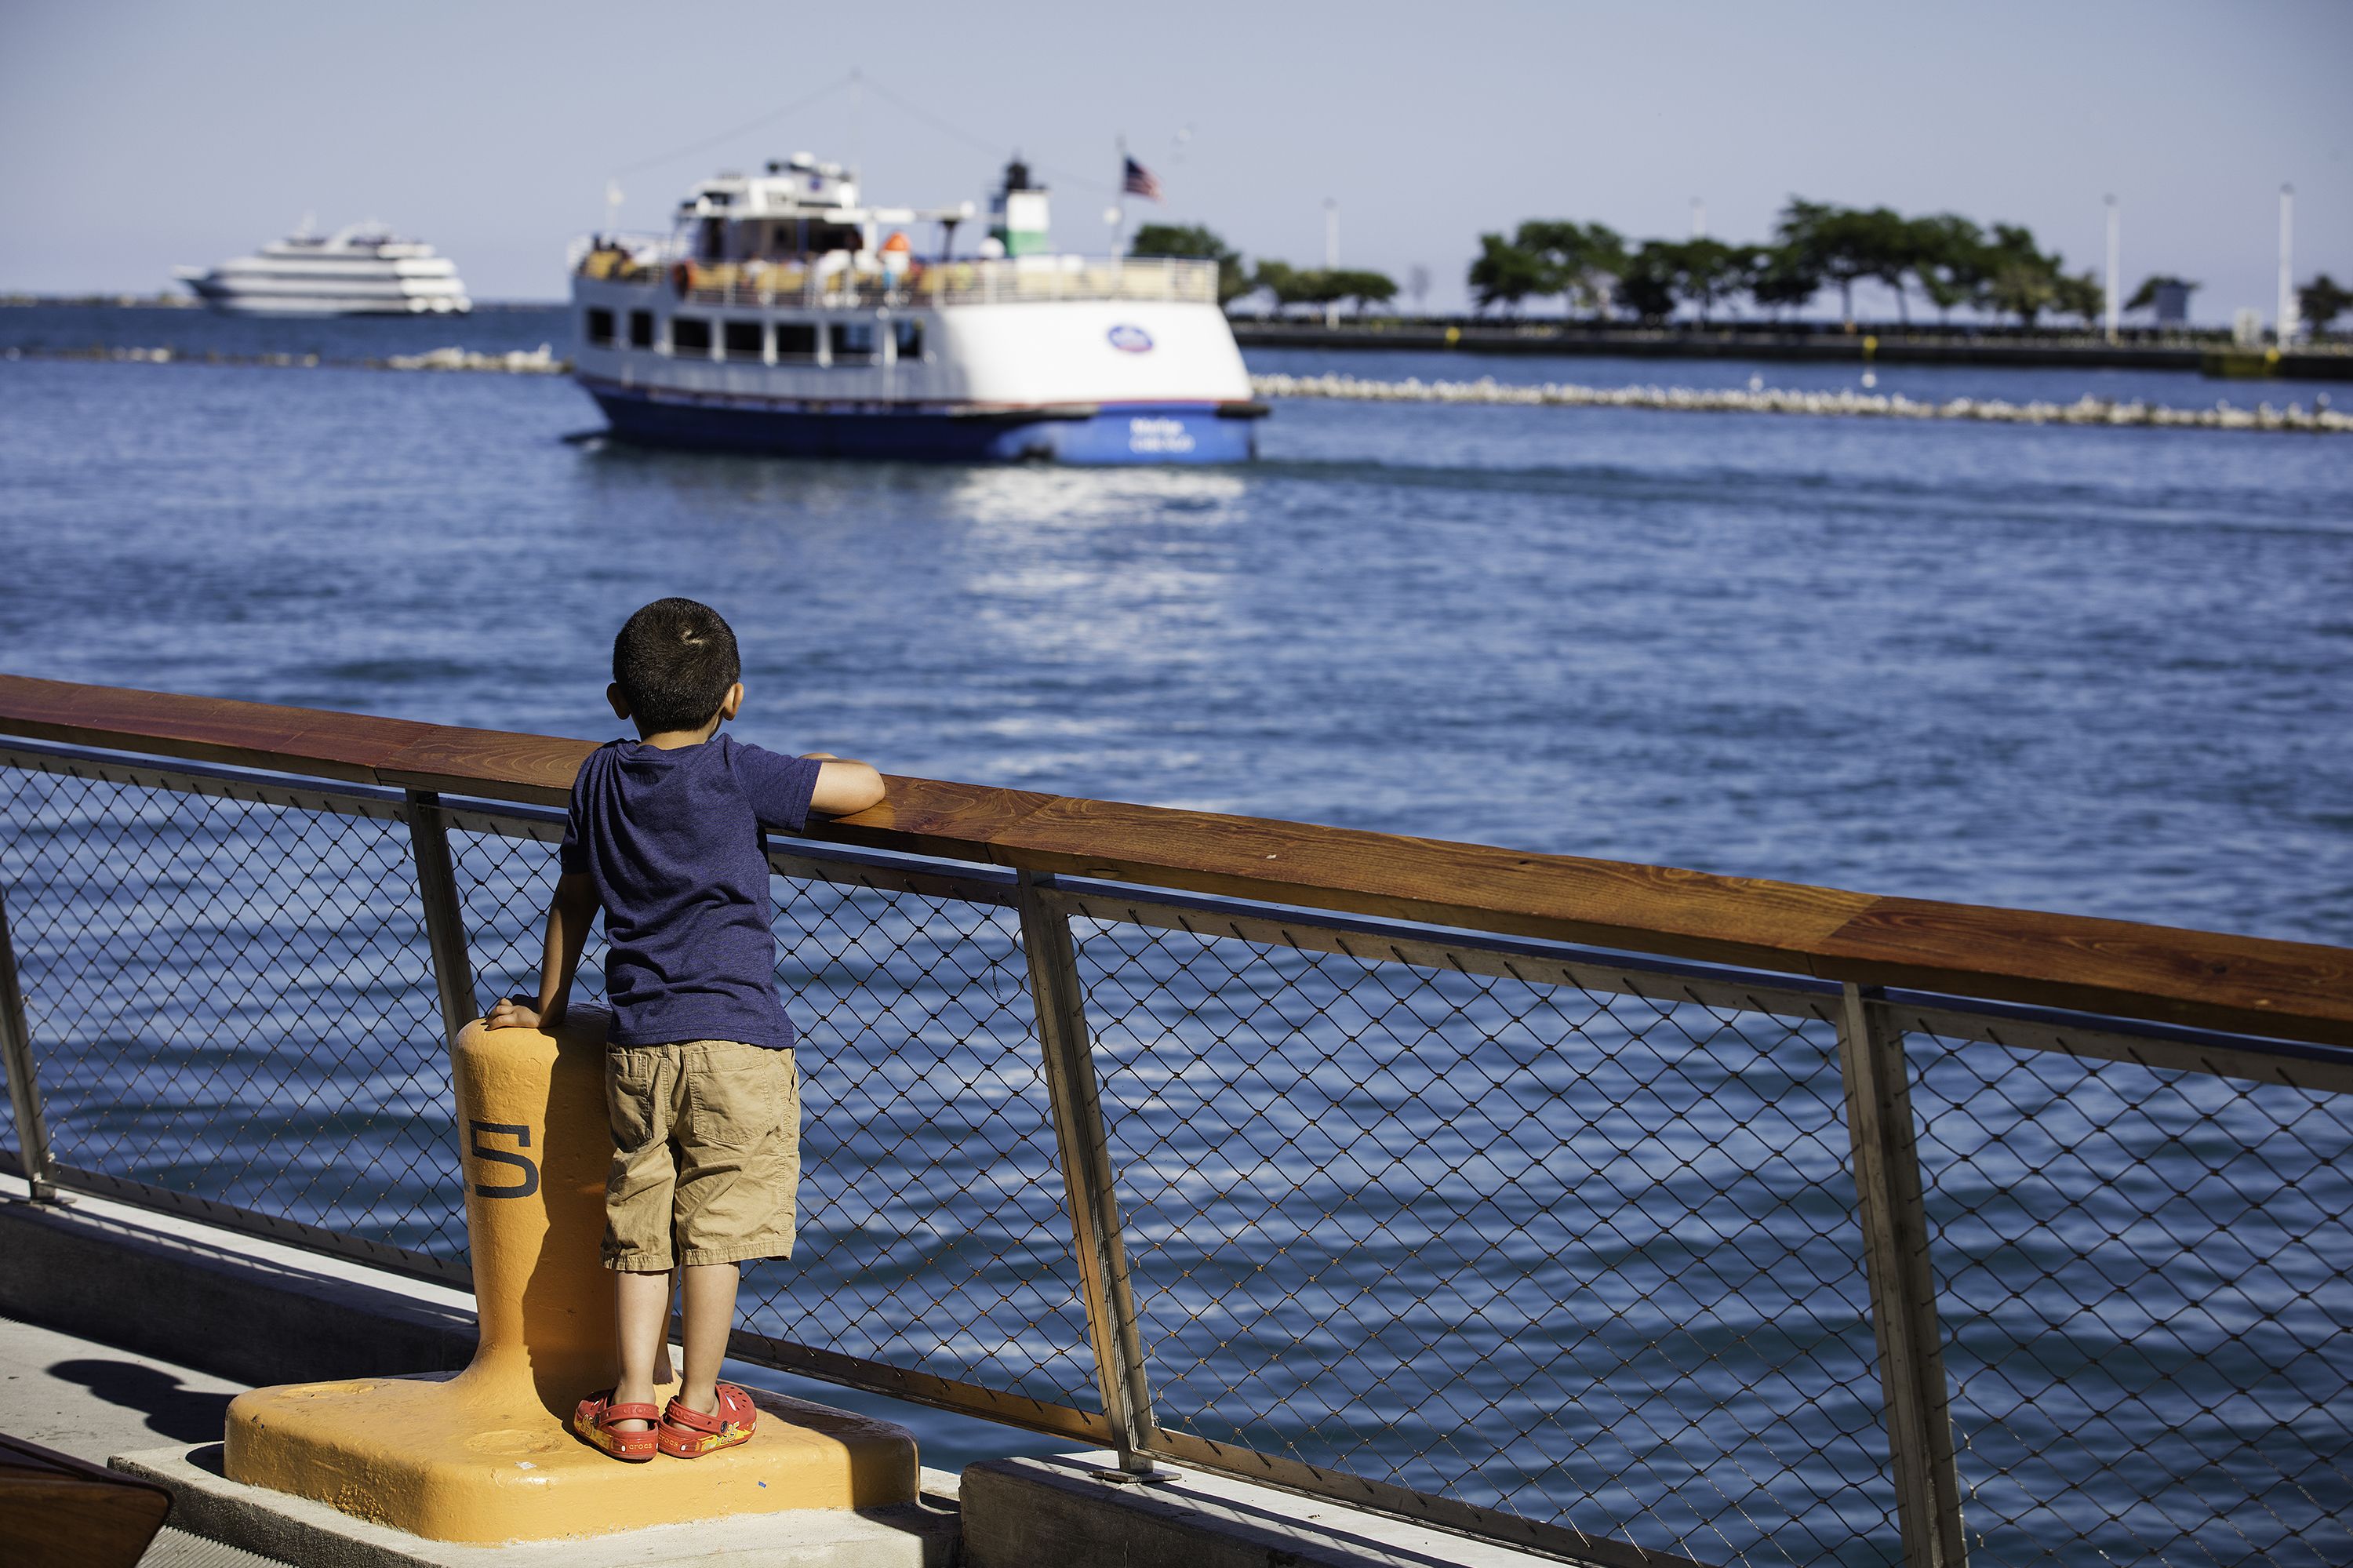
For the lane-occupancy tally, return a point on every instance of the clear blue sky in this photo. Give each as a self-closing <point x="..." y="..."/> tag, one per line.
<point x="140" y="136"/>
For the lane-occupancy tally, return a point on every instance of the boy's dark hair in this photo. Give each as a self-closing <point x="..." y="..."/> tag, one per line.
<point x="674" y="660"/>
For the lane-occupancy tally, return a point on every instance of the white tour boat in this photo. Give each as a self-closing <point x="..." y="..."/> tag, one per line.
<point x="361" y="271"/>
<point x="781" y="315"/>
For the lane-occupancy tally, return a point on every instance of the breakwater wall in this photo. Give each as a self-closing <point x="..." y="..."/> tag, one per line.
<point x="1884" y="348"/>
<point x="2319" y="419"/>
<point x="1843" y="403"/>
<point x="540" y="361"/>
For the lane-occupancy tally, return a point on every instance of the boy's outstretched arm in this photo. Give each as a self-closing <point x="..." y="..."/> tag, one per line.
<point x="843" y="787"/>
<point x="570" y="911"/>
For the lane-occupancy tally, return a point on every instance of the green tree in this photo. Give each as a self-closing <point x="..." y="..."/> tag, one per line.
<point x="1784" y="278"/>
<point x="1647" y="285"/>
<point x="2020" y="278"/>
<point x="2322" y="301"/>
<point x="1949" y="259"/>
<point x="1702" y="272"/>
<point x="1842" y="245"/>
<point x="1506" y="274"/>
<point x="1288" y="284"/>
<point x="2079" y="295"/>
<point x="1198" y="243"/>
<point x="1358" y="287"/>
<point x="2145" y="297"/>
<point x="1316" y="286"/>
<point x="1887" y="249"/>
<point x="1581" y="260"/>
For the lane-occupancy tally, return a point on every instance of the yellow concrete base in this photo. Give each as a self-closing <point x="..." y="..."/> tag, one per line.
<point x="485" y="1456"/>
<point x="389" y="1450"/>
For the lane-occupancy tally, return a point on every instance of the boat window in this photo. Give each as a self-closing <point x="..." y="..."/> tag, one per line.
<point x="641" y="329"/>
<point x="824" y="237"/>
<point x="909" y="336"/>
<point x="690" y="335"/>
<point x="740" y="340"/>
<point x="853" y="342"/>
<point x="797" y="341"/>
<point x="599" y="328"/>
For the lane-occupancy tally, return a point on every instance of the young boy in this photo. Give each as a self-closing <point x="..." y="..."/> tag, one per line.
<point x="665" y="838"/>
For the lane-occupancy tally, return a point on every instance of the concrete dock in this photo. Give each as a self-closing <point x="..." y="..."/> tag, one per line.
<point x="93" y="1401"/>
<point x="125" y="1334"/>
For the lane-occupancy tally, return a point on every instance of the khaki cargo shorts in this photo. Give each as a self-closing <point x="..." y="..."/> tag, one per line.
<point x="706" y="1154"/>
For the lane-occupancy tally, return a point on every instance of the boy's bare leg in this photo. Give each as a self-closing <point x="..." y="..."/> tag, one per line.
<point x="642" y="1303"/>
<point x="664" y="1373"/>
<point x="710" y="1312"/>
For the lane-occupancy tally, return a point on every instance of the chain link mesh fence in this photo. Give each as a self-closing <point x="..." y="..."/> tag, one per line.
<point x="12" y="1159"/>
<point x="232" y="1001"/>
<point x="1582" y="1251"/>
<point x="2145" y="1278"/>
<point x="931" y="1232"/>
<point x="1588" y="1257"/>
<point x="938" y="1239"/>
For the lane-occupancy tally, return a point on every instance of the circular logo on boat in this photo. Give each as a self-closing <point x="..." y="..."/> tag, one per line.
<point x="1129" y="339"/>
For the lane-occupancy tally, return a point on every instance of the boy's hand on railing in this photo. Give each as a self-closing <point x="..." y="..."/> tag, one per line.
<point x="512" y="1013"/>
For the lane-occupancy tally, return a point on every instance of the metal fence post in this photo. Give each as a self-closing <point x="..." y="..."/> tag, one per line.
<point x="1903" y="1289"/>
<point x="445" y="918"/>
<point x="34" y="1157"/>
<point x="1059" y="998"/>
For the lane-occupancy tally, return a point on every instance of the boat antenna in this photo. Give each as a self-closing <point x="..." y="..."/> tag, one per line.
<point x="914" y="109"/>
<point x="732" y="132"/>
<point x="857" y="116"/>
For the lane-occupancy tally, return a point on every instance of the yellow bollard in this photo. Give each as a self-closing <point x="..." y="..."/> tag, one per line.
<point x="484" y="1455"/>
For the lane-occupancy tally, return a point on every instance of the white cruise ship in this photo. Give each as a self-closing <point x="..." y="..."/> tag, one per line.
<point x="781" y="313"/>
<point x="361" y="271"/>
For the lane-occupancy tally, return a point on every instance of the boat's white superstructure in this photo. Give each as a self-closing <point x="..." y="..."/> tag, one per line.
<point x="361" y="271"/>
<point x="783" y="314"/>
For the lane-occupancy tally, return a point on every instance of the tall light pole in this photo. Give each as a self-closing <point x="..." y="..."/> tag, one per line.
<point x="2116" y="279"/>
<point x="2285" y="318"/>
<point x="1331" y="255"/>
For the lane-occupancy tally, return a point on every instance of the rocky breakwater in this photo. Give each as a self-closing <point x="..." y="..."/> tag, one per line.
<point x="1841" y="404"/>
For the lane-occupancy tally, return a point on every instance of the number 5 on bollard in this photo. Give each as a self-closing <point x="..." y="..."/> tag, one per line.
<point x="523" y="1162"/>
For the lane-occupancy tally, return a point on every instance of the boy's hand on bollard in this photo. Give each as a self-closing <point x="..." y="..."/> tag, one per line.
<point x="514" y="1013"/>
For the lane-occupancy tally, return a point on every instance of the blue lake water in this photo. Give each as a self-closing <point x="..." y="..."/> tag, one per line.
<point x="2107" y="671"/>
<point x="2088" y="670"/>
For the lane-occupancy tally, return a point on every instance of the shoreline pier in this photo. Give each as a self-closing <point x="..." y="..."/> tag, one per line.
<point x="2212" y="353"/>
<point x="1319" y="1185"/>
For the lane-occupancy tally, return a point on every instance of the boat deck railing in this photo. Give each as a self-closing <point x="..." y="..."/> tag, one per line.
<point x="1008" y="281"/>
<point x="1621" y="1214"/>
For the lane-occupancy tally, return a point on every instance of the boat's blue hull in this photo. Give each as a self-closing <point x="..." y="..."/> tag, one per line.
<point x="1158" y="433"/>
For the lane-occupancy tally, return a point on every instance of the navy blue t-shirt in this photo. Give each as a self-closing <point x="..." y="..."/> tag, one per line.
<point x="671" y="840"/>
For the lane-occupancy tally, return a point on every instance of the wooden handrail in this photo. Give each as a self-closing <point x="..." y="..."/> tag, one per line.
<point x="2300" y="991"/>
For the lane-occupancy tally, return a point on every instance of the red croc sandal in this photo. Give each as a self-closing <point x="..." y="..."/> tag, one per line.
<point x="594" y="1422"/>
<point x="690" y="1434"/>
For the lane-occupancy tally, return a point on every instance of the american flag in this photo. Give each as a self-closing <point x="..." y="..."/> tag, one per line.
<point x="1136" y="180"/>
